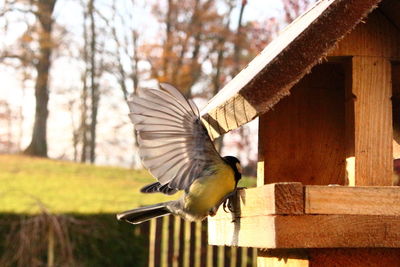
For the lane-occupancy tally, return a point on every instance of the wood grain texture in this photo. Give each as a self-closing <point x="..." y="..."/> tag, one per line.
<point x="377" y="36"/>
<point x="371" y="87"/>
<point x="271" y="199"/>
<point x="329" y="257"/>
<point x="352" y="200"/>
<point x="313" y="231"/>
<point x="270" y="76"/>
<point x="350" y="257"/>
<point x="307" y="231"/>
<point x="303" y="138"/>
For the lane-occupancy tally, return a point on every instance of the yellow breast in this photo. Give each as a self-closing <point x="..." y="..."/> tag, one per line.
<point x="206" y="192"/>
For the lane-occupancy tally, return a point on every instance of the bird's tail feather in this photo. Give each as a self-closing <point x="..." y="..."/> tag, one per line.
<point x="143" y="214"/>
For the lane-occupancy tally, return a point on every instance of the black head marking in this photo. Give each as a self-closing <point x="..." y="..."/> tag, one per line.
<point x="235" y="164"/>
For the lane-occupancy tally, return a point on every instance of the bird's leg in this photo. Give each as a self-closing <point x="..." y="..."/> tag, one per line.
<point x="229" y="200"/>
<point x="223" y="201"/>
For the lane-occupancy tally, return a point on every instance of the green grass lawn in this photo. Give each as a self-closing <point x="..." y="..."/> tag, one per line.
<point x="66" y="187"/>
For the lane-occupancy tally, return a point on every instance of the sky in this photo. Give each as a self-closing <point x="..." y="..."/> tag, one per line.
<point x="66" y="75"/>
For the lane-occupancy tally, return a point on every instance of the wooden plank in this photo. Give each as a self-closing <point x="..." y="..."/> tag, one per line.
<point x="324" y="231"/>
<point x="278" y="198"/>
<point x="227" y="256"/>
<point x="270" y="76"/>
<point x="171" y="239"/>
<point x="351" y="257"/>
<point x="145" y="234"/>
<point x="215" y="256"/>
<point x="307" y="231"/>
<point x="203" y="244"/>
<point x="255" y="231"/>
<point x="158" y="241"/>
<point x="152" y="237"/>
<point x="373" y="121"/>
<point x="377" y="36"/>
<point x="250" y="257"/>
<point x="352" y="200"/>
<point x="181" y="255"/>
<point x="297" y="136"/>
<point x="239" y="257"/>
<point x="192" y="244"/>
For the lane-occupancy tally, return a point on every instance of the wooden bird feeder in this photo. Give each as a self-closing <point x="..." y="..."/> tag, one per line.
<point x="339" y="66"/>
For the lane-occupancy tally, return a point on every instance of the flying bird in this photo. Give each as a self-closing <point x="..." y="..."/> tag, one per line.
<point x="175" y="148"/>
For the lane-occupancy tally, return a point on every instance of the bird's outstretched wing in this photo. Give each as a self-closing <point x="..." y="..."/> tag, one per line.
<point x="173" y="143"/>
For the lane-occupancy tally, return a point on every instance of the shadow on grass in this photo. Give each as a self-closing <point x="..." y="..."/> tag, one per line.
<point x="77" y="239"/>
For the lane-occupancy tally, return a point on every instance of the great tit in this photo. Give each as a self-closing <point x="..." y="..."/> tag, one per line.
<point x="175" y="148"/>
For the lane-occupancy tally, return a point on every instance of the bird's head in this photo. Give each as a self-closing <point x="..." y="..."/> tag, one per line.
<point x="235" y="164"/>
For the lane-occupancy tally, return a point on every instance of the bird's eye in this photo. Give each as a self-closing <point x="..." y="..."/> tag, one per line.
<point x="239" y="167"/>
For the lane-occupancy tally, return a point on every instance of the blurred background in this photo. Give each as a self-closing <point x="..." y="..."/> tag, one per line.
<point x="67" y="68"/>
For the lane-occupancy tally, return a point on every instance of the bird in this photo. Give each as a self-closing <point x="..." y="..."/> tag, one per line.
<point x="175" y="147"/>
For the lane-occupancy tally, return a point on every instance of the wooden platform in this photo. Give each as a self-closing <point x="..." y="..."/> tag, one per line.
<point x="291" y="215"/>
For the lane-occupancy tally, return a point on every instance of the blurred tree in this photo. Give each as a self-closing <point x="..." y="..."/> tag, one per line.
<point x="39" y="33"/>
<point x="200" y="45"/>
<point x="43" y="10"/>
<point x="125" y="60"/>
<point x="94" y="89"/>
<point x="294" y="8"/>
<point x="178" y="58"/>
<point x="92" y="56"/>
<point x="6" y="119"/>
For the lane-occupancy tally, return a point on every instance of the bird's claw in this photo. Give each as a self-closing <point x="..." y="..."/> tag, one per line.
<point x="229" y="203"/>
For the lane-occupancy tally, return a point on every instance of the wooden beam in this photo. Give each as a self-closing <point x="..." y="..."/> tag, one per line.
<point x="377" y="36"/>
<point x="272" y="216"/>
<point x="270" y="76"/>
<point x="372" y="91"/>
<point x="352" y="200"/>
<point x="351" y="257"/>
<point x="307" y="231"/>
<point x="348" y="257"/>
<point x="271" y="199"/>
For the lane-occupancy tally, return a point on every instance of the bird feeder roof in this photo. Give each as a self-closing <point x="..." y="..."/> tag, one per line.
<point x="301" y="45"/>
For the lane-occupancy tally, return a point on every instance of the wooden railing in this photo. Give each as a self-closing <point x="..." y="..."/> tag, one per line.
<point x="174" y="242"/>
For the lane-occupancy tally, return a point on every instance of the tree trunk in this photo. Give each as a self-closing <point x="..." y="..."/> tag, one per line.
<point x="83" y="129"/>
<point x="93" y="83"/>
<point x="38" y="145"/>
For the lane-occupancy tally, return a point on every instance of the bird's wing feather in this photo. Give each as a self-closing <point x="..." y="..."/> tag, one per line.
<point x="173" y="143"/>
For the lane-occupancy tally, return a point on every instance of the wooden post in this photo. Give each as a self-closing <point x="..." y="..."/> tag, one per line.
<point x="171" y="239"/>
<point x="192" y="244"/>
<point x="181" y="258"/>
<point x="144" y="230"/>
<point x="215" y="255"/>
<point x="372" y="120"/>
<point x="203" y="244"/>
<point x="158" y="242"/>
